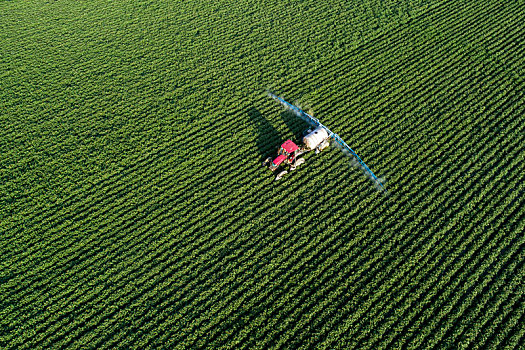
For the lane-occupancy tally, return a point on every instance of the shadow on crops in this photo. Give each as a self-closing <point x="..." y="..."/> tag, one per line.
<point x="296" y="126"/>
<point x="268" y="137"/>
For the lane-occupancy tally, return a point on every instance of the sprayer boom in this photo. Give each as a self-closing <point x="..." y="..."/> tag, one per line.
<point x="328" y="134"/>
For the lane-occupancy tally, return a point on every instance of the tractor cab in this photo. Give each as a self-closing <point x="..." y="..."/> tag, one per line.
<point x="286" y="155"/>
<point x="286" y="152"/>
<point x="288" y="148"/>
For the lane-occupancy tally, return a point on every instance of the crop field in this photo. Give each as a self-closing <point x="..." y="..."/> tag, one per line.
<point x="135" y="213"/>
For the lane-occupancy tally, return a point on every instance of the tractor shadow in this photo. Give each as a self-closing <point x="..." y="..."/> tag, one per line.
<point x="295" y="125"/>
<point x="268" y="137"/>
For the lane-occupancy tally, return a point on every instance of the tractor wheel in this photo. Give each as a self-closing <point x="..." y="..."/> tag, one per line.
<point x="280" y="175"/>
<point x="267" y="161"/>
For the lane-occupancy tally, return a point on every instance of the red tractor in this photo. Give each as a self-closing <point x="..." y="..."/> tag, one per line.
<point x="287" y="155"/>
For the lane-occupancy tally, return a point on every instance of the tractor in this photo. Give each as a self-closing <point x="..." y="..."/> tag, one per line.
<point x="289" y="152"/>
<point x="318" y="138"/>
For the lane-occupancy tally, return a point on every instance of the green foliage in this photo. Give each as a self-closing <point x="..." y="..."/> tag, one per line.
<point x="134" y="211"/>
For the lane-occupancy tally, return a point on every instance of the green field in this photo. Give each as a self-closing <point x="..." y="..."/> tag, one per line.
<point x="134" y="211"/>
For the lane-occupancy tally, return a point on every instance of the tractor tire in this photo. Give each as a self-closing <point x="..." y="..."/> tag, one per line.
<point x="280" y="175"/>
<point x="267" y="161"/>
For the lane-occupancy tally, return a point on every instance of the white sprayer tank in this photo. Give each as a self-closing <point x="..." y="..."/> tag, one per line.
<point x="315" y="138"/>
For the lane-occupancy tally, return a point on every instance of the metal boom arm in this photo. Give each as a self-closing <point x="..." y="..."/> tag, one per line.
<point x="336" y="138"/>
<point x="343" y="144"/>
<point x="297" y="111"/>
